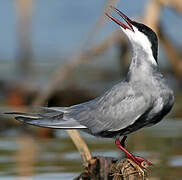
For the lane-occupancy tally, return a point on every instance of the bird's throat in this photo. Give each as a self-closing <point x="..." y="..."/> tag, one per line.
<point x="142" y="65"/>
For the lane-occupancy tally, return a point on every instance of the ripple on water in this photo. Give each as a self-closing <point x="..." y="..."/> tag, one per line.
<point x="166" y="128"/>
<point x="175" y="161"/>
<point x="76" y="155"/>
<point x="8" y="144"/>
<point x="58" y="176"/>
<point x="107" y="153"/>
<point x="6" y="159"/>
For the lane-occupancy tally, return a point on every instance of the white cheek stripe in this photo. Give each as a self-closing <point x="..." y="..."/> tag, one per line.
<point x="140" y="39"/>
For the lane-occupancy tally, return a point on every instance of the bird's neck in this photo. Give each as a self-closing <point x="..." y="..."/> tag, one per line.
<point x="142" y="64"/>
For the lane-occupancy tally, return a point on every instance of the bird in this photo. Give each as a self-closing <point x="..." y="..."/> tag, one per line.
<point x="140" y="100"/>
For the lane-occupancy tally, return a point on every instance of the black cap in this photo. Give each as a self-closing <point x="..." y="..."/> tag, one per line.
<point x="151" y="36"/>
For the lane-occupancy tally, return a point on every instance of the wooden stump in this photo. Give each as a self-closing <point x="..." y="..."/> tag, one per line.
<point x="106" y="168"/>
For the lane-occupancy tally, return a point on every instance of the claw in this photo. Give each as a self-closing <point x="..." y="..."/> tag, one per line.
<point x="144" y="162"/>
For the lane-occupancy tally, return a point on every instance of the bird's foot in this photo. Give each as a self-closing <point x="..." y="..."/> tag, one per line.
<point x="141" y="162"/>
<point x="144" y="162"/>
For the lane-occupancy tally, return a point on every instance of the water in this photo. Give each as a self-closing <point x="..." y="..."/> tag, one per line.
<point x="24" y="156"/>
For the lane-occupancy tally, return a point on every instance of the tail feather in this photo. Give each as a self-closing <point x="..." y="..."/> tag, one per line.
<point x="28" y="115"/>
<point x="54" y="119"/>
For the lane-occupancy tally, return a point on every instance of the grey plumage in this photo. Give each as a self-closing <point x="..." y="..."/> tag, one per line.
<point x="143" y="98"/>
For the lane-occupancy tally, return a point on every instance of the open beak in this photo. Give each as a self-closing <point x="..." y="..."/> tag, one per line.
<point x="127" y="20"/>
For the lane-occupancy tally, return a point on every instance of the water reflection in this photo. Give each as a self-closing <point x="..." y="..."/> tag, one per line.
<point x="23" y="156"/>
<point x="175" y="161"/>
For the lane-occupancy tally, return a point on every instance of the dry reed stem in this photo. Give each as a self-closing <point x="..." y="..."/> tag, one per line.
<point x="151" y="14"/>
<point x="176" y="4"/>
<point x="153" y="8"/>
<point x="24" y="14"/>
<point x="80" y="144"/>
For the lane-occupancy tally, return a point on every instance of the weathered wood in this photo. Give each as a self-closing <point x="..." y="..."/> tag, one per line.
<point x="108" y="168"/>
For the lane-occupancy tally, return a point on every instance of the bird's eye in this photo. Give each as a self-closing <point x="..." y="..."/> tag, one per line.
<point x="142" y="30"/>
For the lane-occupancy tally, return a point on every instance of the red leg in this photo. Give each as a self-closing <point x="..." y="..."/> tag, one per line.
<point x="141" y="159"/>
<point x="138" y="160"/>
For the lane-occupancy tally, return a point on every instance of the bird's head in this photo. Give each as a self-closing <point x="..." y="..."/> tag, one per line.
<point x="140" y="35"/>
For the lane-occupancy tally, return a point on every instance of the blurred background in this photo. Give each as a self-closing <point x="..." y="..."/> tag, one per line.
<point x="60" y="53"/>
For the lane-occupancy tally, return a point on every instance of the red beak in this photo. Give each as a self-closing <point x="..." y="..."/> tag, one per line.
<point x="127" y="20"/>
